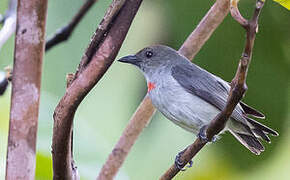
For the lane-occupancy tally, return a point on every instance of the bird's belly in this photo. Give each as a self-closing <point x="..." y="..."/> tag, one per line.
<point x="184" y="109"/>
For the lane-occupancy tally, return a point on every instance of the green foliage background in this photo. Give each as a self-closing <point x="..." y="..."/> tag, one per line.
<point x="105" y="112"/>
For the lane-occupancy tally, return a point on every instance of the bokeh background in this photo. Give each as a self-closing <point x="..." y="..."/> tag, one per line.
<point x="104" y="113"/>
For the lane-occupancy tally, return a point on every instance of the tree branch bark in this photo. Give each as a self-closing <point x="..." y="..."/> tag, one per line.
<point x="238" y="88"/>
<point x="65" y="32"/>
<point x="98" y="57"/>
<point x="146" y="110"/>
<point x="29" y="49"/>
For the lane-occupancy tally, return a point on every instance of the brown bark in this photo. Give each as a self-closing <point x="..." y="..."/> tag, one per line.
<point x="29" y="49"/>
<point x="98" y="57"/>
<point x="238" y="89"/>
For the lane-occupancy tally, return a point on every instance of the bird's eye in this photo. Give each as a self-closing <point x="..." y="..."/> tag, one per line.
<point x="149" y="54"/>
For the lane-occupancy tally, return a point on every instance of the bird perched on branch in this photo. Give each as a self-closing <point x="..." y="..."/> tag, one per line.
<point x="191" y="97"/>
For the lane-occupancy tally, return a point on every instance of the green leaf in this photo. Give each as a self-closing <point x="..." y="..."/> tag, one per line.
<point x="285" y="3"/>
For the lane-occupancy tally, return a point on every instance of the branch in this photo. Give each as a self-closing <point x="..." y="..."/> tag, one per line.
<point x="61" y="35"/>
<point x="102" y="50"/>
<point x="31" y="20"/>
<point x="65" y="32"/>
<point x="146" y="110"/>
<point x="9" y="21"/>
<point x="238" y="89"/>
<point x="128" y="138"/>
<point x="205" y="28"/>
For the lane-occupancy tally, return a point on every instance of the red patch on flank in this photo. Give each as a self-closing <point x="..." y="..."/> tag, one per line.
<point x="151" y="86"/>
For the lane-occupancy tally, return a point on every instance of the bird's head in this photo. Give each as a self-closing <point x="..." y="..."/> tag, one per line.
<point x="153" y="59"/>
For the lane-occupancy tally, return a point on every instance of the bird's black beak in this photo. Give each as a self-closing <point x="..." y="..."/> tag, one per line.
<point x="132" y="59"/>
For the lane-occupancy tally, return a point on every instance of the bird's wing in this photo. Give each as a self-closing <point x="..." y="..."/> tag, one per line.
<point x="247" y="109"/>
<point x="205" y="85"/>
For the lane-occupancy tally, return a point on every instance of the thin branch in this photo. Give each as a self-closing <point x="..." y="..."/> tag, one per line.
<point x="205" y="28"/>
<point x="9" y="21"/>
<point x="238" y="89"/>
<point x="61" y="35"/>
<point x="146" y="110"/>
<point x="30" y="33"/>
<point x="106" y="42"/>
<point x="128" y="138"/>
<point x="65" y="32"/>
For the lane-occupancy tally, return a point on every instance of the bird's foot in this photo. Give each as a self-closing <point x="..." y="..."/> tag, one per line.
<point x="203" y="137"/>
<point x="202" y="134"/>
<point x="179" y="164"/>
<point x="215" y="138"/>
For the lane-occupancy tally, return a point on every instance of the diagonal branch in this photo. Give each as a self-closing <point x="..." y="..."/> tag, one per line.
<point x="146" y="110"/>
<point x="65" y="32"/>
<point x="205" y="28"/>
<point x="238" y="89"/>
<point x="61" y="35"/>
<point x="98" y="57"/>
<point x="29" y="50"/>
<point x="127" y="140"/>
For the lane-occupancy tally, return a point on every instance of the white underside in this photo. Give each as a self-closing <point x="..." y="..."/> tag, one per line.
<point x="181" y="107"/>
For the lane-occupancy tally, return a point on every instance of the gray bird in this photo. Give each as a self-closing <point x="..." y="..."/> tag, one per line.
<point x="191" y="97"/>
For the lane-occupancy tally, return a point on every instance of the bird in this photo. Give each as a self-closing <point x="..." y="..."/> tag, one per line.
<point x="191" y="97"/>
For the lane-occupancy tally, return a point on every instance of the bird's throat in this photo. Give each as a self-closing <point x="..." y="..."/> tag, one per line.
<point x="150" y="86"/>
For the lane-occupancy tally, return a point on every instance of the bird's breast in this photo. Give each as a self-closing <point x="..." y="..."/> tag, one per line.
<point x="183" y="108"/>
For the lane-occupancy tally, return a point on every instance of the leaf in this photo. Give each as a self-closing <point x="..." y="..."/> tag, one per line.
<point x="285" y="3"/>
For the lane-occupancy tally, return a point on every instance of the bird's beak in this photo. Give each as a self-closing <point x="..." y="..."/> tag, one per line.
<point x="132" y="59"/>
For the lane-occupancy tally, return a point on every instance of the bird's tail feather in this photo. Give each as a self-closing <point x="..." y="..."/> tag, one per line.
<point x="249" y="141"/>
<point x="249" y="135"/>
<point x="261" y="127"/>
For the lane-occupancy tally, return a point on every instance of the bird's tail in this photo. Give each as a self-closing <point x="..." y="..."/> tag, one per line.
<point x="251" y="134"/>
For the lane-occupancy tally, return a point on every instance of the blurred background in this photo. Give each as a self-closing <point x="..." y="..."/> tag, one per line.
<point x="104" y="113"/>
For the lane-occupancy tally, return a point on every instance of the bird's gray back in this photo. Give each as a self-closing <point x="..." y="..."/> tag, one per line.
<point x="207" y="86"/>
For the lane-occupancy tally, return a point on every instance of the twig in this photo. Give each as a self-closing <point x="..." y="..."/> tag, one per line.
<point x="101" y="57"/>
<point x="64" y="33"/>
<point x="9" y="21"/>
<point x="31" y="20"/>
<point x="146" y="110"/>
<point x="238" y="89"/>
<point x="61" y="35"/>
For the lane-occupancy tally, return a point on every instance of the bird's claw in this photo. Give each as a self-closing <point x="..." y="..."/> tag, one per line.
<point x="203" y="137"/>
<point x="202" y="134"/>
<point x="179" y="164"/>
